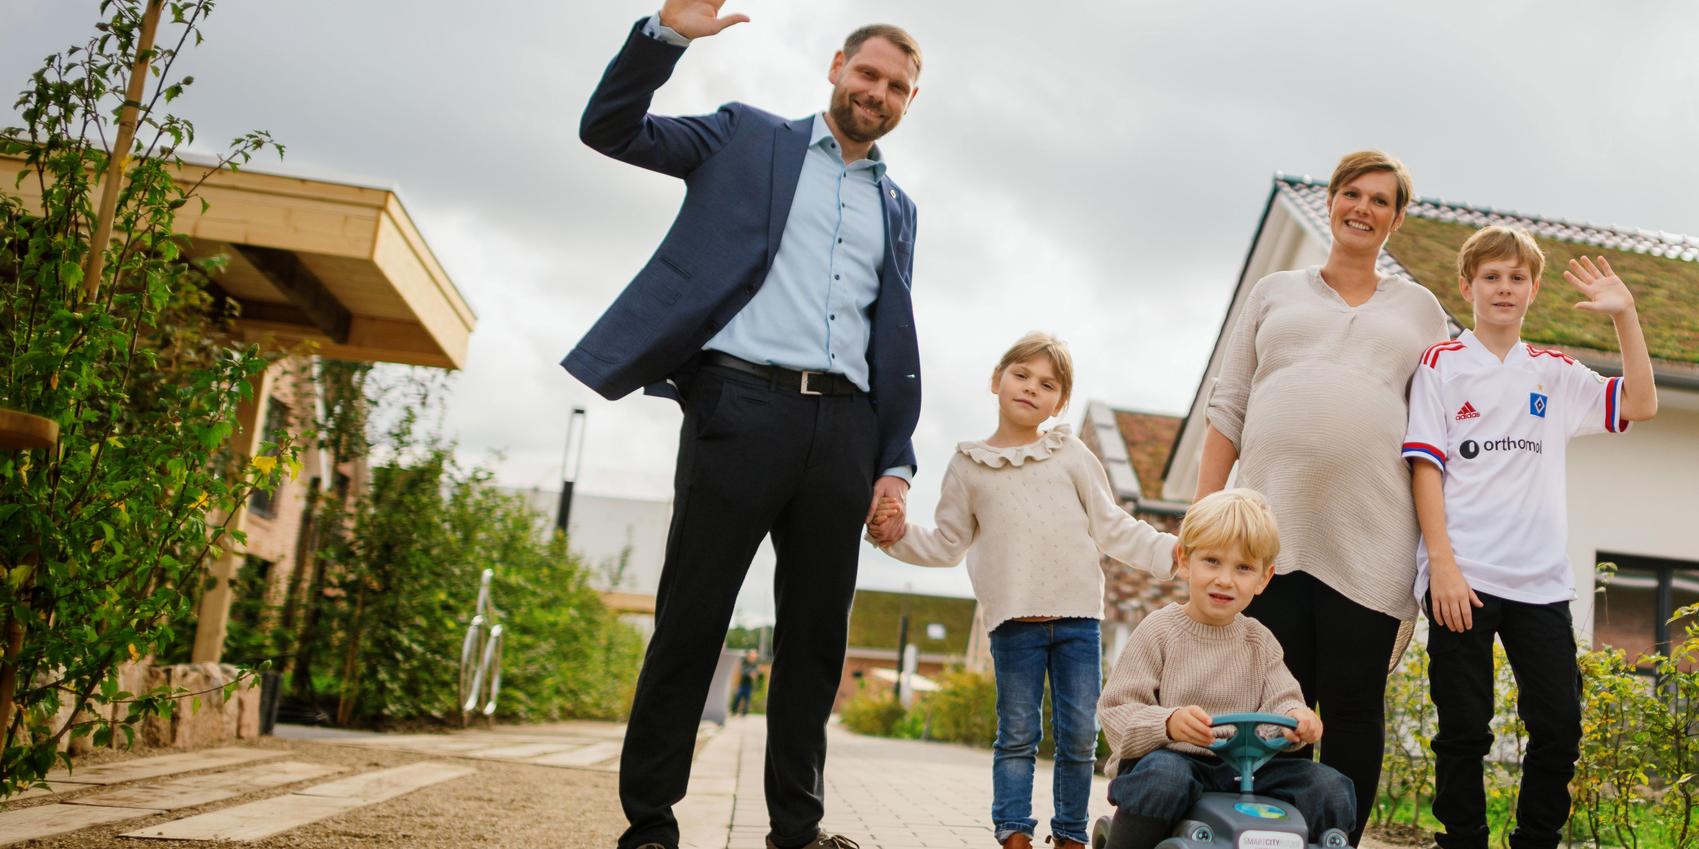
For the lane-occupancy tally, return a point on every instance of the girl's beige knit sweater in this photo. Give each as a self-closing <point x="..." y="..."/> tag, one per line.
<point x="1033" y="521"/>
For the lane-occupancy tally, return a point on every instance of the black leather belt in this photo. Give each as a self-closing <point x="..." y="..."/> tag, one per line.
<point x="802" y="382"/>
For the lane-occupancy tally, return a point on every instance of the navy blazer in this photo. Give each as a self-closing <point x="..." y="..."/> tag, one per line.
<point x="740" y="167"/>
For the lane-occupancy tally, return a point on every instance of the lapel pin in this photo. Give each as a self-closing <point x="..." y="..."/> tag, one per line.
<point x="893" y="194"/>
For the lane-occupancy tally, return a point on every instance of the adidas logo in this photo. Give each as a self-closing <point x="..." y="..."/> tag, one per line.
<point x="1467" y="411"/>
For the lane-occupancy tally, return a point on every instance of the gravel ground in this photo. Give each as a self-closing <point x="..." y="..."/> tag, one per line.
<point x="501" y="805"/>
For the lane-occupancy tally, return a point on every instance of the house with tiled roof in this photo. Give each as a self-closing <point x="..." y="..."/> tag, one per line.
<point x="1133" y="446"/>
<point x="1631" y="499"/>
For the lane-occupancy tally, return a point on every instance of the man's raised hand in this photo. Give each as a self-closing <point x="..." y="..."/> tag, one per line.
<point x="697" y="18"/>
<point x="1605" y="292"/>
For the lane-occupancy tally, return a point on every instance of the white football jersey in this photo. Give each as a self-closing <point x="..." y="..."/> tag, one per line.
<point x="1498" y="431"/>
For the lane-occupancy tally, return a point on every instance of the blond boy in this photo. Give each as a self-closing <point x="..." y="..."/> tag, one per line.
<point x="1186" y="663"/>
<point x="1490" y="416"/>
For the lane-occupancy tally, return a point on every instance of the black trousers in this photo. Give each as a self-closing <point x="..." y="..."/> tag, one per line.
<point x="1539" y="640"/>
<point x="1339" y="651"/>
<point x="754" y="458"/>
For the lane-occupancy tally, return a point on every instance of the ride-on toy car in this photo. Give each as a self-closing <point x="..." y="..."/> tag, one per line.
<point x="1241" y="820"/>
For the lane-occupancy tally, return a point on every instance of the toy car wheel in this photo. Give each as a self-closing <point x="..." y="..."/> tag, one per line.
<point x="1175" y="843"/>
<point x="1333" y="838"/>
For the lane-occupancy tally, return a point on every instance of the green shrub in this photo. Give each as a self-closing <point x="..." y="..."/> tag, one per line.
<point x="402" y="567"/>
<point x="871" y="713"/>
<point x="964" y="709"/>
<point x="1635" y="781"/>
<point x="105" y="536"/>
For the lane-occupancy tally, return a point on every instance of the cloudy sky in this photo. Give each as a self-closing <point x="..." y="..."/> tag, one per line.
<point x="1091" y="169"/>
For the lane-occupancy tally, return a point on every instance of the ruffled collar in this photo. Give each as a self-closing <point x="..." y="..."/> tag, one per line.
<point x="997" y="458"/>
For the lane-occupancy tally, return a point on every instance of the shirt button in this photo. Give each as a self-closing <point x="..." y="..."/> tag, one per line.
<point x="837" y="277"/>
<point x="834" y="356"/>
<point x="840" y="241"/>
<point x="833" y="317"/>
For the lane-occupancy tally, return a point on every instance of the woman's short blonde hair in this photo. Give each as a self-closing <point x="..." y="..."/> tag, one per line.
<point x="1034" y="345"/>
<point x="1232" y="520"/>
<point x="1498" y="241"/>
<point x="1354" y="165"/>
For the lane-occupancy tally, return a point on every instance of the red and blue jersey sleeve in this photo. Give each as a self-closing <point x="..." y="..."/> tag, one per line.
<point x="1425" y="435"/>
<point x="1594" y="402"/>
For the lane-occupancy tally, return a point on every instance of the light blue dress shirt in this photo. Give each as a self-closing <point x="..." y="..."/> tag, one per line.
<point x="811" y="312"/>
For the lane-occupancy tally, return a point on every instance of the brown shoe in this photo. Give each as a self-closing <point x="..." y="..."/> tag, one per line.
<point x="1018" y="840"/>
<point x="824" y="841"/>
<point x="1063" y="842"/>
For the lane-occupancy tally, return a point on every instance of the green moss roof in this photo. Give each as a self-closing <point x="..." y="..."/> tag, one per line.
<point x="876" y="616"/>
<point x="1666" y="291"/>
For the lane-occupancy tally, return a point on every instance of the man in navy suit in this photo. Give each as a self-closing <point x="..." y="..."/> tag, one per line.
<point x="776" y="311"/>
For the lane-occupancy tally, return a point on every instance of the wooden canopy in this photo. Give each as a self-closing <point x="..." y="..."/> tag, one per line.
<point x="332" y="262"/>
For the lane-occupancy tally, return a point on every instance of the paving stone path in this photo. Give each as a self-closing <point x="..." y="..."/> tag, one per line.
<point x="881" y="793"/>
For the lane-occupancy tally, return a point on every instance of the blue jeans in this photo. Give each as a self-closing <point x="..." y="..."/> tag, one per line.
<point x="1165" y="784"/>
<point x="1071" y="652"/>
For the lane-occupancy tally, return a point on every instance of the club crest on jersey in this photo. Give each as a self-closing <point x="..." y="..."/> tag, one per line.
<point x="1536" y="405"/>
<point x="1467" y="411"/>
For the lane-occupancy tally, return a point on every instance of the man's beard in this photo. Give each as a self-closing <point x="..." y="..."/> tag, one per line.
<point x="853" y="126"/>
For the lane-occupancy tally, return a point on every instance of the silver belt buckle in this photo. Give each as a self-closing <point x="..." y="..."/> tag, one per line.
<point x="804" y="387"/>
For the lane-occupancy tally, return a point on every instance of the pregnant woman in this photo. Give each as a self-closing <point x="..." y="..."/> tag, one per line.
<point x="1311" y="404"/>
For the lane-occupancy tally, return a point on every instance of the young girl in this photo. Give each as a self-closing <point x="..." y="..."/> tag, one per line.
<point x="1033" y="513"/>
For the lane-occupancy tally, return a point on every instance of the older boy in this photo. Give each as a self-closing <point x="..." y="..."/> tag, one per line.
<point x="1186" y="663"/>
<point x="1489" y="420"/>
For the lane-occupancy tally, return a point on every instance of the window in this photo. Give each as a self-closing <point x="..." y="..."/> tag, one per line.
<point x="1634" y="610"/>
<point x="264" y="503"/>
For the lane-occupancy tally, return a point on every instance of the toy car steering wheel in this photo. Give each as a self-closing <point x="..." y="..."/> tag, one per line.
<point x="1247" y="750"/>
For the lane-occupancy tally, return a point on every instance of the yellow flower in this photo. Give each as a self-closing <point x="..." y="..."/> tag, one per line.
<point x="264" y="464"/>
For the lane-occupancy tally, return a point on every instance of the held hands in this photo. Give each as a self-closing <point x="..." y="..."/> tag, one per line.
<point x="1451" y="599"/>
<point x="887" y="517"/>
<point x="1190" y="724"/>
<point x="697" y="18"/>
<point x="1309" y="726"/>
<point x="1604" y="291"/>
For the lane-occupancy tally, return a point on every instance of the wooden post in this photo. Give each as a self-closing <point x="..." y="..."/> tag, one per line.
<point x="214" y="620"/>
<point x="120" y="153"/>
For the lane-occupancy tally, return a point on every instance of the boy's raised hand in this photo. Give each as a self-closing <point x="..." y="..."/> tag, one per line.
<point x="1309" y="726"/>
<point x="1604" y="291"/>
<point x="697" y="18"/>
<point x="1190" y="724"/>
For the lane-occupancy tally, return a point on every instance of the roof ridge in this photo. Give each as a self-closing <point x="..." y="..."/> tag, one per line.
<point x="1133" y="412"/>
<point x="1659" y="243"/>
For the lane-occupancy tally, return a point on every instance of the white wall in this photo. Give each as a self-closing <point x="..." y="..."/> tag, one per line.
<point x="1635" y="493"/>
<point x="602" y="527"/>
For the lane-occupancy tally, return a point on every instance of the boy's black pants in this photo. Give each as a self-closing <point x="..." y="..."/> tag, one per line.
<point x="753" y="458"/>
<point x="1539" y="640"/>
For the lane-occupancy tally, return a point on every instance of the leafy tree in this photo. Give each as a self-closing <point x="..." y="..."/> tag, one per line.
<point x="104" y="537"/>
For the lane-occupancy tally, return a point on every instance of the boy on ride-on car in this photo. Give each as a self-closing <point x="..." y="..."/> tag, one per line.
<point x="1187" y="662"/>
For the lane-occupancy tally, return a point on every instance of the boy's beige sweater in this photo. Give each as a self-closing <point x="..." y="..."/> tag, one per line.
<point x="1173" y="660"/>
<point x="1033" y="522"/>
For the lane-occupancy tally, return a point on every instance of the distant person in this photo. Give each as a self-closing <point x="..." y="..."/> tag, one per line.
<point x="1310" y="402"/>
<point x="776" y="311"/>
<point x="1185" y="664"/>
<point x="748" y="669"/>
<point x="1490" y="417"/>
<point x="1032" y="512"/>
